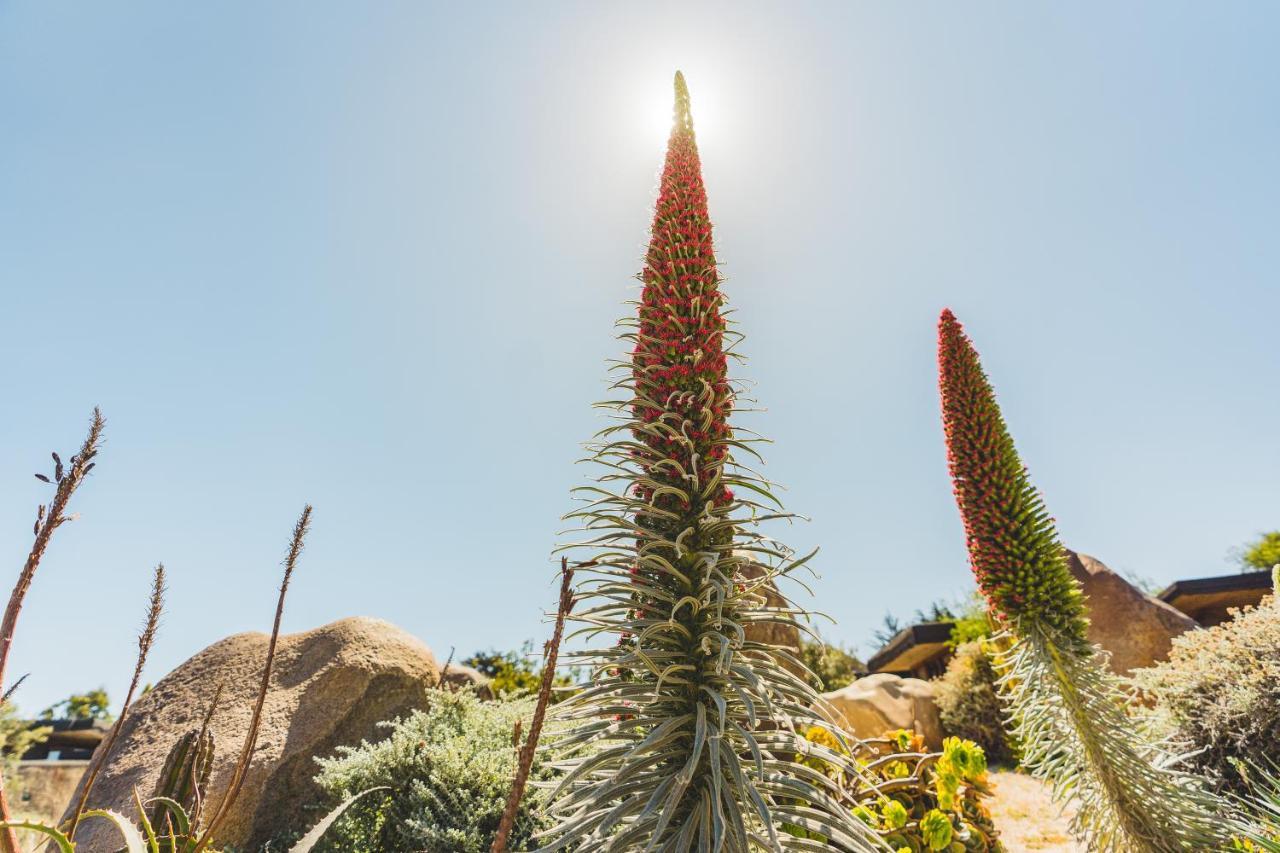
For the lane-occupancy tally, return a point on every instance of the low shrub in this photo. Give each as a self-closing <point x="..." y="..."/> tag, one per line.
<point x="835" y="666"/>
<point x="16" y="737"/>
<point x="915" y="800"/>
<point x="969" y="704"/>
<point x="449" y="770"/>
<point x="1218" y="694"/>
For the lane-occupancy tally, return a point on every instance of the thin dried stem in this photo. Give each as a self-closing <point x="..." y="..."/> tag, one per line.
<point x="530" y="747"/>
<point x="47" y="521"/>
<point x="145" y="640"/>
<point x="14" y="689"/>
<point x="251" y="737"/>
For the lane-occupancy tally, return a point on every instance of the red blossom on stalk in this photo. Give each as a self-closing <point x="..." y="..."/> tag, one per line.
<point x="1013" y="546"/>
<point x="678" y="363"/>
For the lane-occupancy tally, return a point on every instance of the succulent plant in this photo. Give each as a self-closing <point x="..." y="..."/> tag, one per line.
<point x="185" y="775"/>
<point x="1068" y="709"/>
<point x="683" y="739"/>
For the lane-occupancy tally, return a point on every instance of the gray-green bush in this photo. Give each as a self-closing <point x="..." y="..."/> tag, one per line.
<point x="1218" y="694"/>
<point x="449" y="769"/>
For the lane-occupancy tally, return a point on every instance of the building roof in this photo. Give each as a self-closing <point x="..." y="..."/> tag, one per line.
<point x="1229" y="590"/>
<point x="911" y="647"/>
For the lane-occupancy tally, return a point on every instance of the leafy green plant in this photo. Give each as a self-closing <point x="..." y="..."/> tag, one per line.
<point x="1068" y="710"/>
<point x="1261" y="554"/>
<point x="833" y="665"/>
<point x="914" y="799"/>
<point x="93" y="705"/>
<point x="973" y="622"/>
<point x="16" y="737"/>
<point x="680" y="741"/>
<point x="969" y="703"/>
<point x="1218" y="694"/>
<point x="513" y="672"/>
<point x="447" y="771"/>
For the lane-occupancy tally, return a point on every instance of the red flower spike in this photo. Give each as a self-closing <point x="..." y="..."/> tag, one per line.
<point x="1013" y="546"/>
<point x="679" y="363"/>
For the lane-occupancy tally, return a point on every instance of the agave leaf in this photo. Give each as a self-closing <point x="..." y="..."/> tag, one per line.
<point x="133" y="842"/>
<point x="309" y="840"/>
<point x="152" y="843"/>
<point x="182" y="823"/>
<point x="64" y="844"/>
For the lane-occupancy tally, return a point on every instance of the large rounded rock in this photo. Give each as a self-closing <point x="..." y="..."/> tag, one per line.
<point x="880" y="703"/>
<point x="780" y="634"/>
<point x="330" y="687"/>
<point x="1137" y="629"/>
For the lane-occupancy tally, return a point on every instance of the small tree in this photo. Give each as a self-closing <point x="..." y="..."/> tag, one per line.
<point x="94" y="705"/>
<point x="1261" y="554"/>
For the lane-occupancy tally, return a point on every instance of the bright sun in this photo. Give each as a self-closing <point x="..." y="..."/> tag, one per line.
<point x="659" y="107"/>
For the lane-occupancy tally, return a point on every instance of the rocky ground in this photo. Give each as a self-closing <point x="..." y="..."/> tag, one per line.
<point x="1027" y="817"/>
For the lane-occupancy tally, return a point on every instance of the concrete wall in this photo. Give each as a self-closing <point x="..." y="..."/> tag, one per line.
<point x="47" y="787"/>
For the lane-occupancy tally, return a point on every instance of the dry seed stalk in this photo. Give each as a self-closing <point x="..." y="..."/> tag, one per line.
<point x="47" y="521"/>
<point x="145" y="640"/>
<point x="251" y="737"/>
<point x="551" y="652"/>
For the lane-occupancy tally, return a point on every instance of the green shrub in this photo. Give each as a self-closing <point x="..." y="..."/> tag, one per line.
<point x="16" y="737"/>
<point x="835" y="666"/>
<point x="513" y="674"/>
<point x="969" y="704"/>
<point x="916" y="800"/>
<point x="449" y="769"/>
<point x="1218" y="694"/>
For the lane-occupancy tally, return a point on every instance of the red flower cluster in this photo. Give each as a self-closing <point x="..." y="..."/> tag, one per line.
<point x="1013" y="546"/>
<point x="682" y="389"/>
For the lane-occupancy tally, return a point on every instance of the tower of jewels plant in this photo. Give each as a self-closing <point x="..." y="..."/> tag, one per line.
<point x="684" y="738"/>
<point x="1067" y="708"/>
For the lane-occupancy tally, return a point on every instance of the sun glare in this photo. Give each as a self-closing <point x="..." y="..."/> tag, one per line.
<point x="659" y="102"/>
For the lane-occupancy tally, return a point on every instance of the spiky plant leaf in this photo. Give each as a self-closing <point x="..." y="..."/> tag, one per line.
<point x="682" y="740"/>
<point x="56" y="836"/>
<point x="1066" y="706"/>
<point x="306" y="842"/>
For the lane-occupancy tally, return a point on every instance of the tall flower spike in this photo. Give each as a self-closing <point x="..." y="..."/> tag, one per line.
<point x="1067" y="707"/>
<point x="682" y="741"/>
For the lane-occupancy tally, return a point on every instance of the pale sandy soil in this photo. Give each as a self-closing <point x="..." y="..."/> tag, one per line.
<point x="1026" y="816"/>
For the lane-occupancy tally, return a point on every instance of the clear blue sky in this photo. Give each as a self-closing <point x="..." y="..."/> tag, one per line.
<point x="369" y="255"/>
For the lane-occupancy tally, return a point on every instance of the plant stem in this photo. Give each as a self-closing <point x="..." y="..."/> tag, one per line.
<point x="145" y="639"/>
<point x="46" y="523"/>
<point x="527" y="751"/>
<point x="251" y="737"/>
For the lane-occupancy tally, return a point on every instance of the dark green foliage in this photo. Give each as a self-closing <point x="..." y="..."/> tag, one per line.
<point x="1261" y="554"/>
<point x="16" y="737"/>
<point x="835" y="666"/>
<point x="973" y="623"/>
<point x="513" y="674"/>
<point x="94" y="705"/>
<point x="969" y="703"/>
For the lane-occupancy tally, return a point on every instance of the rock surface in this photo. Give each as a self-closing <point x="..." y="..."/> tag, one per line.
<point x="331" y="686"/>
<point x="881" y="703"/>
<point x="1136" y="628"/>
<point x="773" y="633"/>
